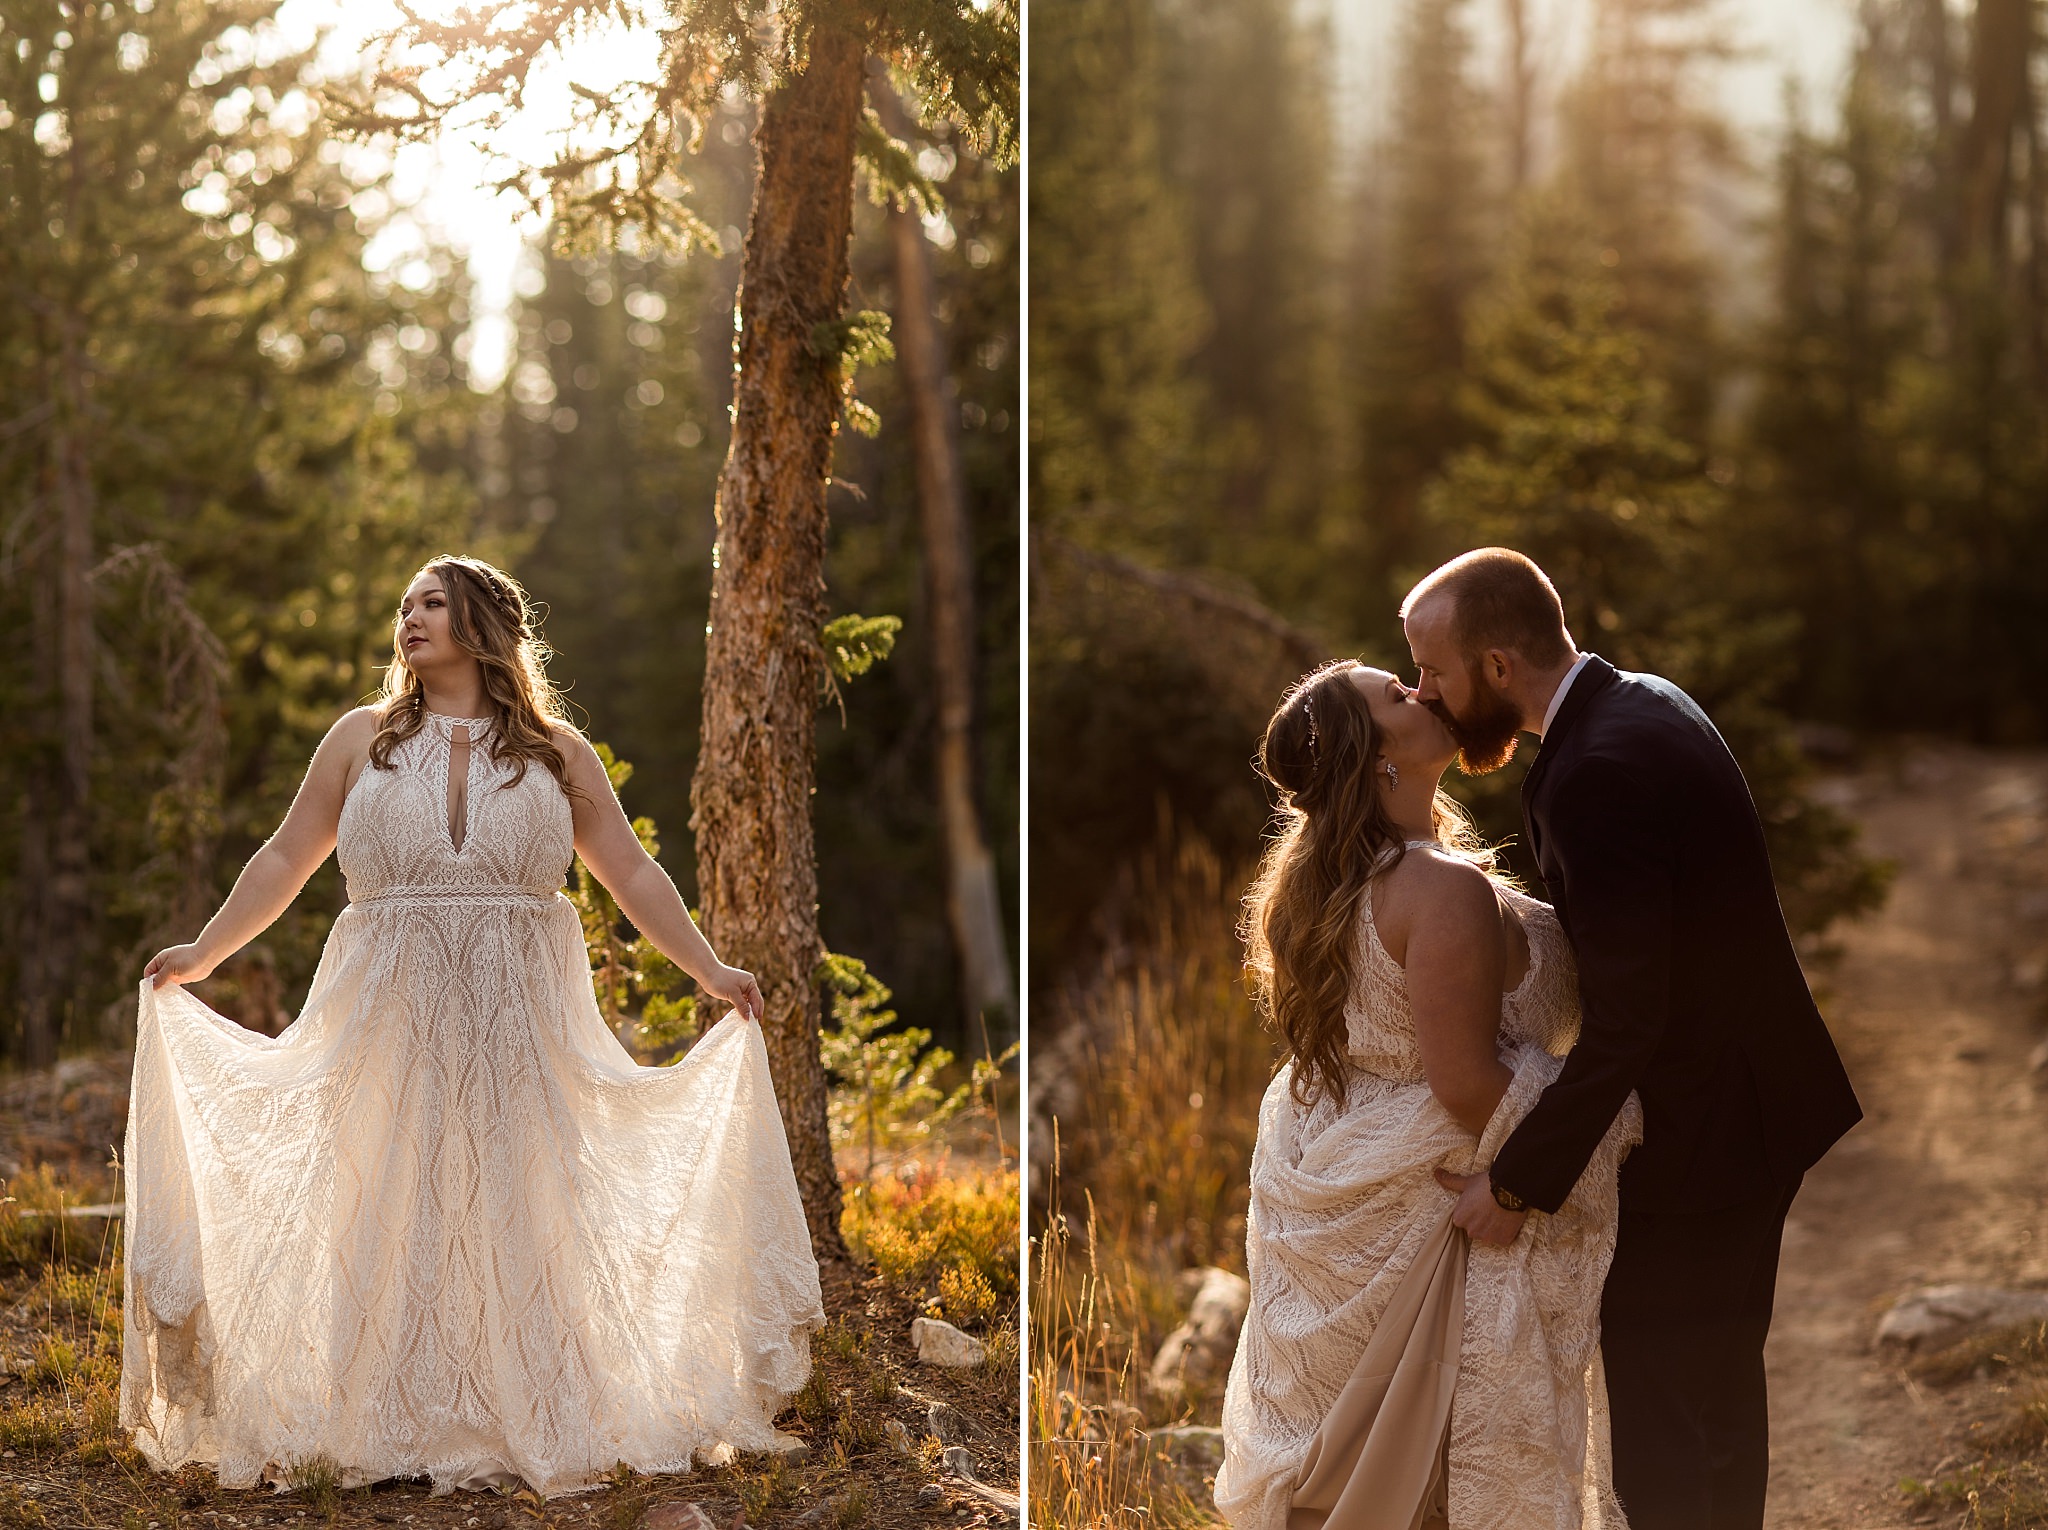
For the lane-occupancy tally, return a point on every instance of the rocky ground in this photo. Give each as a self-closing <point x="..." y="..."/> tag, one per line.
<point x="1937" y="1002"/>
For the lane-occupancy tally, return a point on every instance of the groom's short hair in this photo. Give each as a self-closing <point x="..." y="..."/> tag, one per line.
<point x="1499" y="599"/>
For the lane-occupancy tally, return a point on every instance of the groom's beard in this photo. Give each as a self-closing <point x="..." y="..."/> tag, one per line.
<point x="1486" y="735"/>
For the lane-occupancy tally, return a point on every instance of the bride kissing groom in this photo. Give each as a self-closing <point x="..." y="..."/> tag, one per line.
<point x="1467" y="1309"/>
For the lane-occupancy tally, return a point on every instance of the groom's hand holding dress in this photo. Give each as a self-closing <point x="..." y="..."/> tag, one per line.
<point x="1479" y="1211"/>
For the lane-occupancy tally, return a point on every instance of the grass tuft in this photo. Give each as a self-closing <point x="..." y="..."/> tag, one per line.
<point x="855" y="1506"/>
<point x="1158" y="1168"/>
<point x="317" y="1479"/>
<point x="2005" y="1484"/>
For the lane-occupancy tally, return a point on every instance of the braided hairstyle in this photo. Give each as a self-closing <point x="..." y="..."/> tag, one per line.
<point x="1335" y="835"/>
<point x="491" y="619"/>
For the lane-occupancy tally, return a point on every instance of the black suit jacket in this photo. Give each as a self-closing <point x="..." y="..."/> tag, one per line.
<point x="1652" y="853"/>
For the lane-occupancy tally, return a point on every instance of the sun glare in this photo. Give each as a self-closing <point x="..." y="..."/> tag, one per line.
<point x="442" y="190"/>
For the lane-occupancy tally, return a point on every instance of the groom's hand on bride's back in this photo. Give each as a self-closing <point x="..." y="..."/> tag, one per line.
<point x="1482" y="1217"/>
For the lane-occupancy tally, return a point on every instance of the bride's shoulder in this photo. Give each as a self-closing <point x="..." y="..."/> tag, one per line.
<point x="1431" y="883"/>
<point x="353" y="731"/>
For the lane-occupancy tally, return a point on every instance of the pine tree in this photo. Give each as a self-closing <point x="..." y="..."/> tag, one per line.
<point x="1644" y="142"/>
<point x="1410" y="361"/>
<point x="1115" y="316"/>
<point x="1575" y="463"/>
<point x="216" y="422"/>
<point x="1246" y="135"/>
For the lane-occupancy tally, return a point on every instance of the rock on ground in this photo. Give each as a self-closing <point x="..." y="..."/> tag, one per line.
<point x="1201" y="1348"/>
<point x="940" y="1343"/>
<point x="1935" y="1317"/>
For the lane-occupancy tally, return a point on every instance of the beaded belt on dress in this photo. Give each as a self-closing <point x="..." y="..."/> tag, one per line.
<point x="428" y="895"/>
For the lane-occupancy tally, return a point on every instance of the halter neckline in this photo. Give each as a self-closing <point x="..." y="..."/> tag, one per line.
<point x="446" y="721"/>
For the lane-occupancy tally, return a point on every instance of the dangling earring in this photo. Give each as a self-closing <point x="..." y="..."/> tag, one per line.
<point x="1393" y="776"/>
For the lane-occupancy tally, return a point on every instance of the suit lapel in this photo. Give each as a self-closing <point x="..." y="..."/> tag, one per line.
<point x="1593" y="679"/>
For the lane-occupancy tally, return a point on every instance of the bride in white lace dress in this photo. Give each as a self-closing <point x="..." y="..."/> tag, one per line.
<point x="443" y="1224"/>
<point x="1385" y="1377"/>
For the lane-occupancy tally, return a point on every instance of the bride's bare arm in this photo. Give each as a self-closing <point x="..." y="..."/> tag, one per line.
<point x="1456" y="963"/>
<point x="278" y="869"/>
<point x="646" y="893"/>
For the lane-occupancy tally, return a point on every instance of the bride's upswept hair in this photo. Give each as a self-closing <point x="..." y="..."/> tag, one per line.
<point x="491" y="619"/>
<point x="1334" y="835"/>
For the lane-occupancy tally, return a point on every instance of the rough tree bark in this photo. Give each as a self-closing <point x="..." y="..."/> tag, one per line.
<point x="973" y="907"/>
<point x="764" y="661"/>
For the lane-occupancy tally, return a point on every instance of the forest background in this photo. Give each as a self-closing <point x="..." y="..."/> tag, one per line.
<point x="225" y="445"/>
<point x="1770" y="409"/>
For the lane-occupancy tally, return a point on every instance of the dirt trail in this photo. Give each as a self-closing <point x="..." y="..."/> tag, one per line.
<point x="1937" y="1005"/>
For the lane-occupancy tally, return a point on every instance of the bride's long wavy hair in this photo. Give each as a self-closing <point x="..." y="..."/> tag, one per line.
<point x="491" y="618"/>
<point x="1334" y="836"/>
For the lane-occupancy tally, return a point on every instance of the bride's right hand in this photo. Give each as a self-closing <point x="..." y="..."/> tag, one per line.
<point x="735" y="986"/>
<point x="176" y="964"/>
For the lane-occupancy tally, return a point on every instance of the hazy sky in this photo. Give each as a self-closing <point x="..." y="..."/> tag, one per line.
<point x="443" y="184"/>
<point x="1807" y="38"/>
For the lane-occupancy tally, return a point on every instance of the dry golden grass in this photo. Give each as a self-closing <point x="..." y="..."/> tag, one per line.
<point x="66" y="1464"/>
<point x="2003" y="1483"/>
<point x="1158" y="1163"/>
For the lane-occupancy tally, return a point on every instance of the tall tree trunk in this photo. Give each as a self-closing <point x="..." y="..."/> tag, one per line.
<point x="2035" y="305"/>
<point x="2001" y="48"/>
<point x="1521" y="98"/>
<point x="61" y="805"/>
<point x="764" y="659"/>
<point x="1941" y="87"/>
<point x="973" y="907"/>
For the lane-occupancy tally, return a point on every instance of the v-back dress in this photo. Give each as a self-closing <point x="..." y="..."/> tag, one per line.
<point x="443" y="1224"/>
<point x="1344" y="1199"/>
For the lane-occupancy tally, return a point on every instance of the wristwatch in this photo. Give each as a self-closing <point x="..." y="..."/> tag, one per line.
<point x="1506" y="1199"/>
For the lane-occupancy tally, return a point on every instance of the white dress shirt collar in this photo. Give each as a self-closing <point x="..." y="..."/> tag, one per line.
<point x="1556" y="701"/>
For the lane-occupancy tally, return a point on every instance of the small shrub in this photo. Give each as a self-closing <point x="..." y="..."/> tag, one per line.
<point x="881" y="1386"/>
<point x="56" y="1361"/>
<point x="20" y="1512"/>
<point x="883" y="1095"/>
<point x="858" y="1431"/>
<point x="34" y="1233"/>
<point x="842" y="1341"/>
<point x="36" y="1424"/>
<point x="814" y="1403"/>
<point x="103" y="1438"/>
<point x="966" y="1295"/>
<point x="853" y="1508"/>
<point x="914" y="1230"/>
<point x="773" y="1487"/>
<point x="76" y="1295"/>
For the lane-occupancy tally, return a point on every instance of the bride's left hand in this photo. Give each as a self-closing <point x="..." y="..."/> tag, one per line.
<point x="737" y="988"/>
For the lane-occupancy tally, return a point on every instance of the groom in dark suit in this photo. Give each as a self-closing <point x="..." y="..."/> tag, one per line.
<point x="1653" y="855"/>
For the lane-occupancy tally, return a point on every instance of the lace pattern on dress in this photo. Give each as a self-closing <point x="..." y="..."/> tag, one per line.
<point x="443" y="1224"/>
<point x="1343" y="1194"/>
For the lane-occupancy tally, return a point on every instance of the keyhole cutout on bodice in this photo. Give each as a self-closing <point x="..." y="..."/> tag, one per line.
<point x="458" y="784"/>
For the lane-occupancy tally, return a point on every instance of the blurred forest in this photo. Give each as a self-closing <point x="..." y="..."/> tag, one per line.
<point x="224" y="446"/>
<point x="1772" y="415"/>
